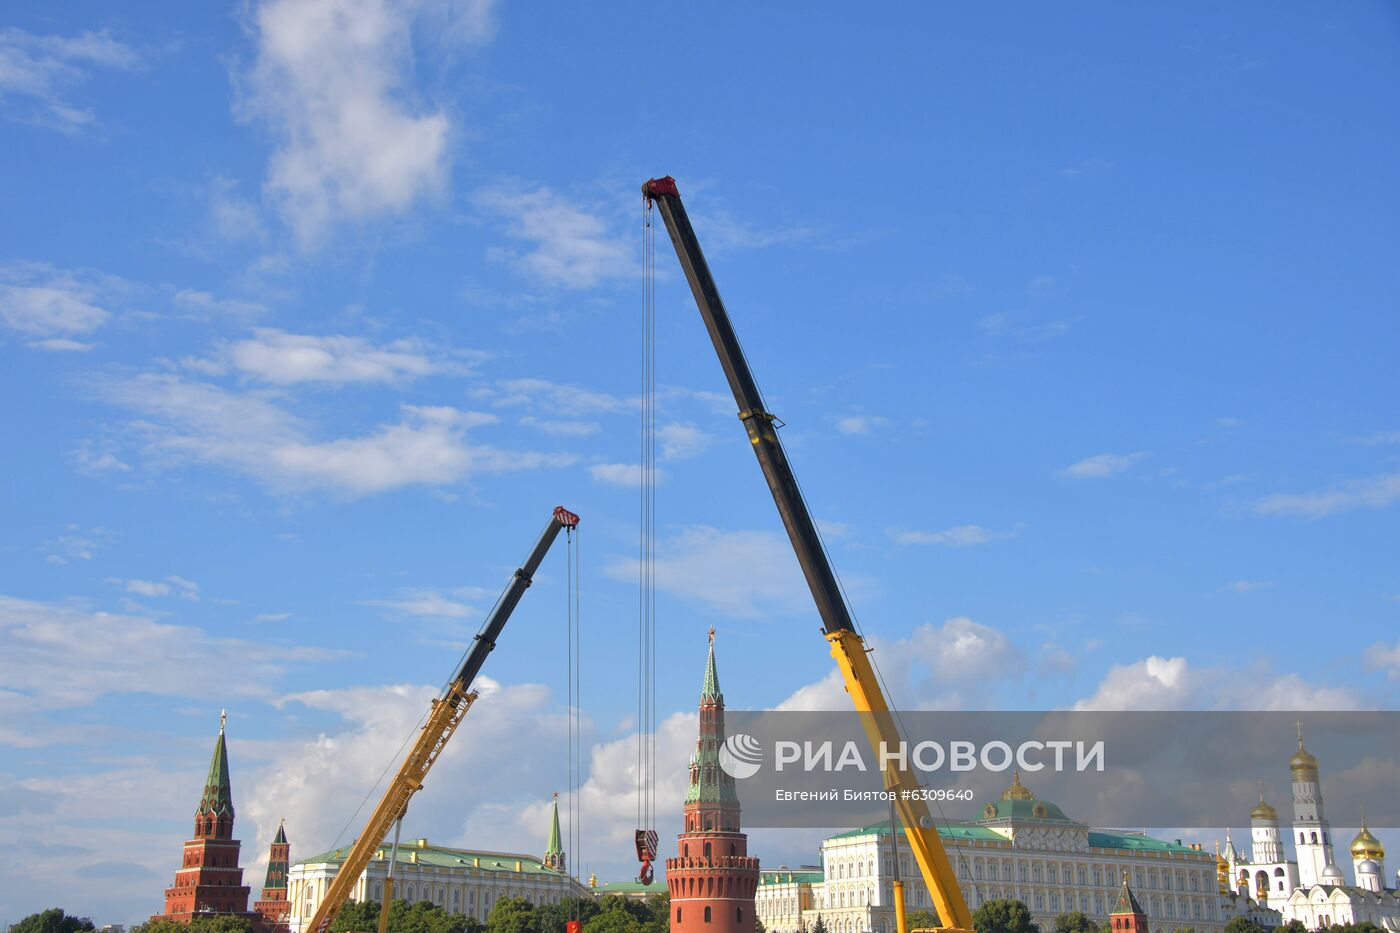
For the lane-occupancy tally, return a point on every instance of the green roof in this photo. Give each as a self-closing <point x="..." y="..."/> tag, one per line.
<point x="1102" y="839"/>
<point x="1127" y="903"/>
<point x="218" y="791"/>
<point x="787" y="876"/>
<point x="709" y="688"/>
<point x="955" y="831"/>
<point x="555" y="845"/>
<point x="628" y="887"/>
<point x="281" y="837"/>
<point x="444" y="857"/>
<point x="1097" y="839"/>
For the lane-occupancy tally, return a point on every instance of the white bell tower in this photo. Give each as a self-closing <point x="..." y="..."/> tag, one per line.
<point x="1311" y="834"/>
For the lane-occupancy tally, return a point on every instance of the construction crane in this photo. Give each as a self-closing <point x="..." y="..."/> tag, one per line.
<point x="847" y="646"/>
<point x="444" y="716"/>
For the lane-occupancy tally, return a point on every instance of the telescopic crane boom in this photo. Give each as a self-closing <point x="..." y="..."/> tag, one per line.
<point x="444" y="716"/>
<point x="847" y="646"/>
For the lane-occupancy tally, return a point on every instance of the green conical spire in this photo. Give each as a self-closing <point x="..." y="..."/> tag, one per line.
<point x="276" y="879"/>
<point x="1127" y="903"/>
<point x="709" y="690"/>
<point x="218" y="791"/>
<point x="554" y="848"/>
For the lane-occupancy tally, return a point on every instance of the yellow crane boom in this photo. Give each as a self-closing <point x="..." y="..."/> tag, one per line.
<point x="847" y="646"/>
<point x="445" y="715"/>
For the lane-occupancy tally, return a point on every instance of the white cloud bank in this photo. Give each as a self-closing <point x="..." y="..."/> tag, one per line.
<point x="38" y="74"/>
<point x="334" y="80"/>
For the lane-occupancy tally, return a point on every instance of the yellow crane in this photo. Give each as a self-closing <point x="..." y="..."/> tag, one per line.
<point x="847" y="646"/>
<point x="444" y="716"/>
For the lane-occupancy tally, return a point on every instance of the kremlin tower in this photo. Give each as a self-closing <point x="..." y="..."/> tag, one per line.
<point x="273" y="906"/>
<point x="209" y="880"/>
<point x="713" y="879"/>
<point x="1128" y="915"/>
<point x="554" y="848"/>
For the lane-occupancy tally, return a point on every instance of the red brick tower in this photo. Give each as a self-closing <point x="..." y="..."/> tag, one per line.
<point x="273" y="905"/>
<point x="713" y="879"/>
<point x="209" y="880"/>
<point x="1128" y="915"/>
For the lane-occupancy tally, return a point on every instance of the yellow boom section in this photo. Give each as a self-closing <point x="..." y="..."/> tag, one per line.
<point x="446" y="714"/>
<point x="849" y="650"/>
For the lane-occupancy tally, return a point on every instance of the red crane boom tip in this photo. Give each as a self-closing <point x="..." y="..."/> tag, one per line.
<point x="565" y="517"/>
<point x="663" y="185"/>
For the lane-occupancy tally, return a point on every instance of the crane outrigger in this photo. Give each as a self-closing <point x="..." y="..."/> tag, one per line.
<point x="445" y="715"/>
<point x="847" y="645"/>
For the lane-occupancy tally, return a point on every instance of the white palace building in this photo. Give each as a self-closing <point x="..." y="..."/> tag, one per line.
<point x="1022" y="848"/>
<point x="1306" y="884"/>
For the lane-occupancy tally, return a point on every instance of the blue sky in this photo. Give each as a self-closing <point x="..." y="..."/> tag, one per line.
<point x="1083" y="325"/>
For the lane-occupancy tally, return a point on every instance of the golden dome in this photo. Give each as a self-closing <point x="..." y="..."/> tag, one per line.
<point x="1262" y="810"/>
<point x="1017" y="790"/>
<point x="1367" y="846"/>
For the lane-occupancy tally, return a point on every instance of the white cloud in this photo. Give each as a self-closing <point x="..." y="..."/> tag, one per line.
<point x="1383" y="657"/>
<point x="562" y="427"/>
<point x="1157" y="683"/>
<point x="963" y="651"/>
<point x="65" y="655"/>
<point x="566" y="244"/>
<point x="620" y="474"/>
<point x="860" y="424"/>
<point x="681" y="441"/>
<point x="50" y="306"/>
<point x="279" y="358"/>
<point x="1100" y="466"/>
<point x="146" y="587"/>
<point x="1055" y="659"/>
<point x="206" y="304"/>
<point x="1377" y="438"/>
<point x="1372" y="492"/>
<point x="559" y="398"/>
<point x="200" y="422"/>
<point x="76" y="543"/>
<point x="1249" y="586"/>
<point x="956" y="536"/>
<point x="334" y="80"/>
<point x="748" y="574"/>
<point x="425" y="604"/>
<point x="38" y="73"/>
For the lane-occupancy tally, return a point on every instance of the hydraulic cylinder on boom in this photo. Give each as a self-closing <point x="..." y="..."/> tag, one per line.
<point x="847" y="646"/>
<point x="444" y="716"/>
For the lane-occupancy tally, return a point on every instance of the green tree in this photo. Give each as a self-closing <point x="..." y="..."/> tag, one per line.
<point x="1004" y="916"/>
<point x="513" y="915"/>
<point x="1293" y="926"/>
<point x="53" y="920"/>
<point x="1242" y="925"/>
<point x="550" y="918"/>
<point x="819" y="926"/>
<point x="758" y="926"/>
<point x="922" y="919"/>
<point x="200" y="923"/>
<point x="356" y="915"/>
<point x="1076" y="921"/>
<point x="613" y="921"/>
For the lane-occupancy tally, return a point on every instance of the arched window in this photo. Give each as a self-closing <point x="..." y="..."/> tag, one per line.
<point x="678" y="915"/>
<point x="707" y="915"/>
<point x="707" y="850"/>
<point x="739" y="914"/>
<point x="1314" y="838"/>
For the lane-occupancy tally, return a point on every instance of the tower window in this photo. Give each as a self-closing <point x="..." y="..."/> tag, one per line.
<point x="707" y="915"/>
<point x="678" y="915"/>
<point x="739" y="914"/>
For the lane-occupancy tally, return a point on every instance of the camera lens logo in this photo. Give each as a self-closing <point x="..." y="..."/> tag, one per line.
<point x="741" y="755"/>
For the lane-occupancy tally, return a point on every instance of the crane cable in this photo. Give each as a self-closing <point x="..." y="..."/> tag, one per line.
<point x="646" y="625"/>
<point x="575" y="706"/>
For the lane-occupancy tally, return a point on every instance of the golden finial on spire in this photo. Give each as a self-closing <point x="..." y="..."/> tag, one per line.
<point x="712" y="634"/>
<point x="556" y="795"/>
<point x="223" y="718"/>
